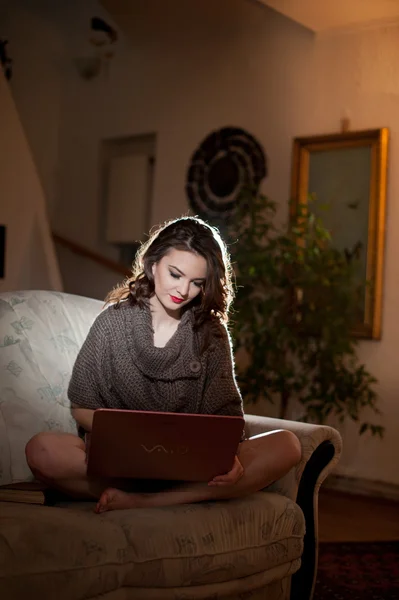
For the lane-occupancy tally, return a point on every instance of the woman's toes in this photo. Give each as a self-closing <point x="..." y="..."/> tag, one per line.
<point x="113" y="499"/>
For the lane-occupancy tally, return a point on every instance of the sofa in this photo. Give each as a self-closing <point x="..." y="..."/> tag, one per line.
<point x="263" y="546"/>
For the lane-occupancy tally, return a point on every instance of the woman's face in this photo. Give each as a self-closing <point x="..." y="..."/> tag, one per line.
<point x="178" y="278"/>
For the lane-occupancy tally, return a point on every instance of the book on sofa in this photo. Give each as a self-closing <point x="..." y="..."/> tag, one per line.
<point x="30" y="492"/>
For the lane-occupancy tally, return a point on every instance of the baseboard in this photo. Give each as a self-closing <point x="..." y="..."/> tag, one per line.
<point x="363" y="487"/>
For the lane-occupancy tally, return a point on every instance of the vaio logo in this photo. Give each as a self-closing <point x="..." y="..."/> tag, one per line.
<point x="159" y="448"/>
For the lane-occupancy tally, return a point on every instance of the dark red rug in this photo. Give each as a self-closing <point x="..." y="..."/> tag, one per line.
<point x="358" y="571"/>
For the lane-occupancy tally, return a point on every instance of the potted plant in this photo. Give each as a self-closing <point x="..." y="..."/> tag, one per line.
<point x="296" y="304"/>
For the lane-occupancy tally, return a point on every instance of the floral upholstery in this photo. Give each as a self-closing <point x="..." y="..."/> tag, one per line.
<point x="196" y="548"/>
<point x="237" y="550"/>
<point x="40" y="336"/>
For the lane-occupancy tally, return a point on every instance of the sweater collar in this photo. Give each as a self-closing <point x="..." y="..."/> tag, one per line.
<point x="179" y="358"/>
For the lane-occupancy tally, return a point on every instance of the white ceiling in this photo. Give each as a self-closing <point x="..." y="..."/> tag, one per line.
<point x="324" y="15"/>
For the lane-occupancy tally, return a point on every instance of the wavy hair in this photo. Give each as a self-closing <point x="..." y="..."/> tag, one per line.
<point x="190" y="234"/>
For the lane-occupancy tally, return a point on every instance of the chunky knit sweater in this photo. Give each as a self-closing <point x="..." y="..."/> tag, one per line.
<point x="118" y="366"/>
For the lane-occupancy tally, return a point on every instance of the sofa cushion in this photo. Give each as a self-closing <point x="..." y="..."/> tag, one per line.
<point x="70" y="552"/>
<point x="40" y="336"/>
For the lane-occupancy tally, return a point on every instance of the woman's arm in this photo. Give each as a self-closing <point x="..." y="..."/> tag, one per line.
<point x="83" y="416"/>
<point x="222" y="396"/>
<point x="88" y="373"/>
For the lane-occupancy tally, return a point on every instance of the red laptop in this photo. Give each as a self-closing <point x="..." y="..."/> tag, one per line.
<point x="157" y="445"/>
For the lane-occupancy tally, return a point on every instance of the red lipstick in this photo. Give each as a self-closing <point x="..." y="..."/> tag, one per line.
<point x="176" y="300"/>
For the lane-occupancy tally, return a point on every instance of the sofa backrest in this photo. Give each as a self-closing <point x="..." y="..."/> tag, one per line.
<point x="40" y="336"/>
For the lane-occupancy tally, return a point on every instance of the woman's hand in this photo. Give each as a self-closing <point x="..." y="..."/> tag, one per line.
<point x="232" y="477"/>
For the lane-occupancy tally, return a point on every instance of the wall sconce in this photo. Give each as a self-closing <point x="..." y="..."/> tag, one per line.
<point x="102" y="38"/>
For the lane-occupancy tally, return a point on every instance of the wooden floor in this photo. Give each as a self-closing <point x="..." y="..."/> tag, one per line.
<point x="345" y="517"/>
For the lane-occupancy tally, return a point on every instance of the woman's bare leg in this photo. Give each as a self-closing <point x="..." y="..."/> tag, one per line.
<point x="59" y="459"/>
<point x="265" y="459"/>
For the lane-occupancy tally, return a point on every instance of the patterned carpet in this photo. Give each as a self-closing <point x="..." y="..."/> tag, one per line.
<point x="358" y="571"/>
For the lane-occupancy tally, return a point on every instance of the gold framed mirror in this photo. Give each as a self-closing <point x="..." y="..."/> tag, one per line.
<point x="348" y="173"/>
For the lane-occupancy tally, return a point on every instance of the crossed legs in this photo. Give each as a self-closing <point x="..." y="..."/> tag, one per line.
<point x="59" y="459"/>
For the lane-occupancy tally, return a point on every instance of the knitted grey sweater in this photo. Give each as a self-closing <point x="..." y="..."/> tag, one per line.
<point x="118" y="366"/>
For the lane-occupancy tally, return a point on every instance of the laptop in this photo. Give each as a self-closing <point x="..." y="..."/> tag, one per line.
<point x="160" y="445"/>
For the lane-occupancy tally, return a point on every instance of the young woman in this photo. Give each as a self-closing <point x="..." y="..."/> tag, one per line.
<point x="162" y="344"/>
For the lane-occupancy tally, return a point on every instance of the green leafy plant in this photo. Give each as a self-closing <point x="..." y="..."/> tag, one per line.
<point x="297" y="301"/>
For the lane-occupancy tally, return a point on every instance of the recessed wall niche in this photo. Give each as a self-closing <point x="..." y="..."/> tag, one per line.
<point x="127" y="176"/>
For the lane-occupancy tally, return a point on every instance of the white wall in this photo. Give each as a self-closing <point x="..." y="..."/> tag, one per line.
<point x="357" y="72"/>
<point x="30" y="257"/>
<point x="188" y="68"/>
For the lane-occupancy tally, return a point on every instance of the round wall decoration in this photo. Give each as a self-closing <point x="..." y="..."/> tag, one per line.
<point x="226" y="161"/>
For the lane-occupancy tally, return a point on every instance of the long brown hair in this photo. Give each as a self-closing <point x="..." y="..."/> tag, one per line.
<point x="193" y="235"/>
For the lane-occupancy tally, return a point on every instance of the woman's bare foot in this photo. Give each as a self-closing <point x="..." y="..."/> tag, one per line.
<point x="113" y="499"/>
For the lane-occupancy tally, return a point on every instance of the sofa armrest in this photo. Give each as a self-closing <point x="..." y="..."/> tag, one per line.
<point x="321" y="450"/>
<point x="321" y="442"/>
